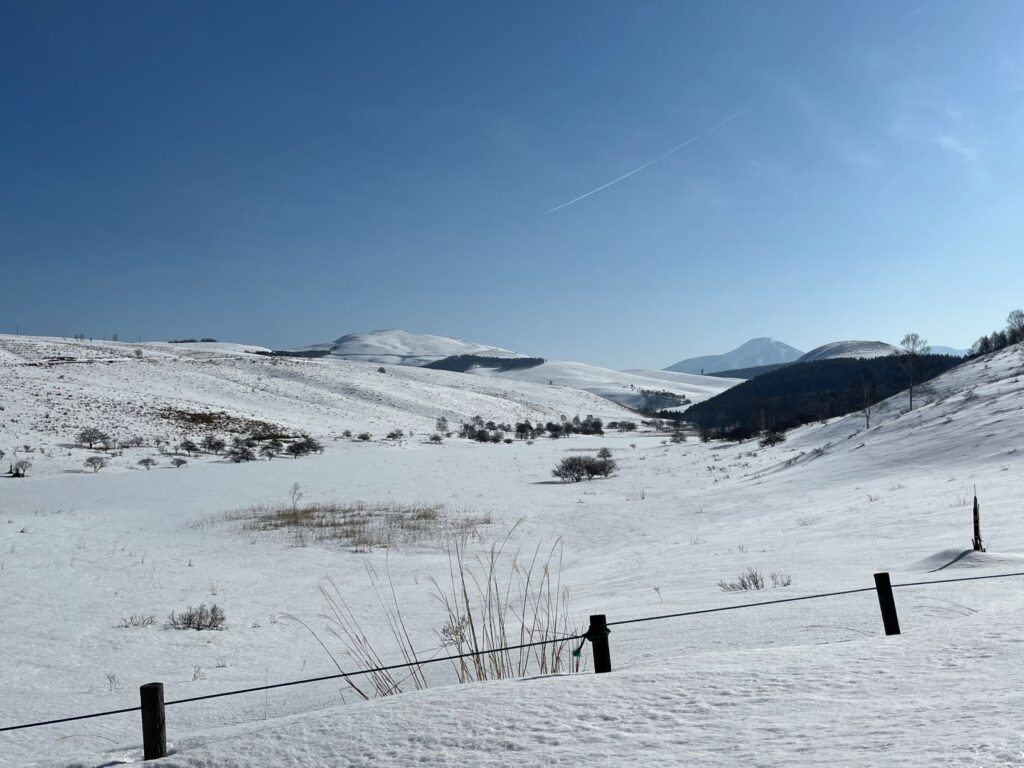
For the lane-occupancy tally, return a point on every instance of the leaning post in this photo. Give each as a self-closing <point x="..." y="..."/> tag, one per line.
<point x="154" y="725"/>
<point x="598" y="636"/>
<point x="883" y="586"/>
<point x="978" y="547"/>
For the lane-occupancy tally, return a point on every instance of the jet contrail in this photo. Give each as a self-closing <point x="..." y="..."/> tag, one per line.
<point x="649" y="163"/>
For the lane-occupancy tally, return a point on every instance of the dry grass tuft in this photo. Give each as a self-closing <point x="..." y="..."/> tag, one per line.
<point x="489" y="603"/>
<point x="363" y="526"/>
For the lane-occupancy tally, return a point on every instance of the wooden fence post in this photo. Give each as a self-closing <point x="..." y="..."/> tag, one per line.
<point x="976" y="541"/>
<point x="886" y="602"/>
<point x="598" y="636"/>
<point x="154" y="726"/>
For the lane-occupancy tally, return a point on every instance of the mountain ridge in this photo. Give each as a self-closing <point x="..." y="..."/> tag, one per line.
<point x="763" y="350"/>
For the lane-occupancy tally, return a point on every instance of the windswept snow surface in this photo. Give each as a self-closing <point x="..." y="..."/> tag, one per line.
<point x="855" y="349"/>
<point x="404" y="348"/>
<point x="810" y="683"/>
<point x="623" y="387"/>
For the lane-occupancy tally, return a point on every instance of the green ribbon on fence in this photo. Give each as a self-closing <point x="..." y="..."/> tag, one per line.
<point x="589" y="636"/>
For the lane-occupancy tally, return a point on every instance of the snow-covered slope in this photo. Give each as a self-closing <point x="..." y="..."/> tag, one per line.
<point x="804" y="684"/>
<point x="404" y="348"/>
<point x="752" y="354"/>
<point x="972" y="412"/>
<point x="52" y="388"/>
<point x="623" y="387"/>
<point x="857" y="349"/>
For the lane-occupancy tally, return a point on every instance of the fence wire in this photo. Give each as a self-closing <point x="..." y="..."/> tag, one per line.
<point x="473" y="654"/>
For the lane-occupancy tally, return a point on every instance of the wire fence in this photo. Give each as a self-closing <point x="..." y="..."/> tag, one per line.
<point x="590" y="635"/>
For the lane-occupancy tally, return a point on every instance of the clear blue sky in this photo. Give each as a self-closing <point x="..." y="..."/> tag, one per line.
<point x="285" y="173"/>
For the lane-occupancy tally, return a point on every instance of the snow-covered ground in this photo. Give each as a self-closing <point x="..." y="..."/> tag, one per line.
<point x="855" y="349"/>
<point x="52" y="388"/>
<point x="623" y="387"/>
<point x="807" y="684"/>
<point x="397" y="347"/>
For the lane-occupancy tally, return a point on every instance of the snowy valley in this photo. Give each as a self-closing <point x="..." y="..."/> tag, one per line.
<point x="83" y="552"/>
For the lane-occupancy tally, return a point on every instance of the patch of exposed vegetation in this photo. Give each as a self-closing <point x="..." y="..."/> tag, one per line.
<point x="362" y="526"/>
<point x="219" y="421"/>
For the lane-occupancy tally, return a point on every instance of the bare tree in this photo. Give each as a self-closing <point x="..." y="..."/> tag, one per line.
<point x="1015" y="326"/>
<point x="911" y="348"/>
<point x="867" y="396"/>
<point x="178" y="462"/>
<point x="92" y="435"/>
<point x="96" y="463"/>
<point x="213" y="444"/>
<point x="148" y="463"/>
<point x="21" y="467"/>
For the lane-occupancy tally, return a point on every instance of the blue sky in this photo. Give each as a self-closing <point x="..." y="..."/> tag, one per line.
<point x="285" y="173"/>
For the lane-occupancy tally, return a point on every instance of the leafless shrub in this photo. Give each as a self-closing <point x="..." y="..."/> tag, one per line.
<point x="96" y="463"/>
<point x="807" y="520"/>
<point x="197" y="618"/>
<point x="751" y="580"/>
<point x="572" y="469"/>
<point x="137" y="620"/>
<point x="780" y="579"/>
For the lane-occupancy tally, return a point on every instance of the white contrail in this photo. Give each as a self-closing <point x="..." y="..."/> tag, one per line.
<point x="649" y="163"/>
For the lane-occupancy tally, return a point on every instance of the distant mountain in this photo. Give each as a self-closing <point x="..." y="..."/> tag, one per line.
<point x="855" y="349"/>
<point x="753" y="354"/>
<point x="403" y="348"/>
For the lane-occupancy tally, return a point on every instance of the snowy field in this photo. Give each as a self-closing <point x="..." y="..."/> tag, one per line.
<point x="802" y="684"/>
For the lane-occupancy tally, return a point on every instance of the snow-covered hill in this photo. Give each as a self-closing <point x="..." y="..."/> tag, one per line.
<point x="52" y="388"/>
<point x="623" y="387"/>
<point x="403" y="348"/>
<point x="803" y="684"/>
<point x="752" y="354"/>
<point x="856" y="349"/>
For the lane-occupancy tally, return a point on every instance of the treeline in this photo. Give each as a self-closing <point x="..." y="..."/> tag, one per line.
<point x="462" y="363"/>
<point x="806" y="392"/>
<point x="1013" y="333"/>
<point x="306" y="353"/>
<point x="660" y="399"/>
<point x="494" y="432"/>
<point x="185" y="341"/>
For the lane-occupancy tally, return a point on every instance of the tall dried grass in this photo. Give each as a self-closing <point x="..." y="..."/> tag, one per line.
<point x="490" y="603"/>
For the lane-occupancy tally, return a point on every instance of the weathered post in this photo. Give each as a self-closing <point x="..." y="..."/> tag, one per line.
<point x="977" y="524"/>
<point x="154" y="726"/>
<point x="598" y="637"/>
<point x="886" y="602"/>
